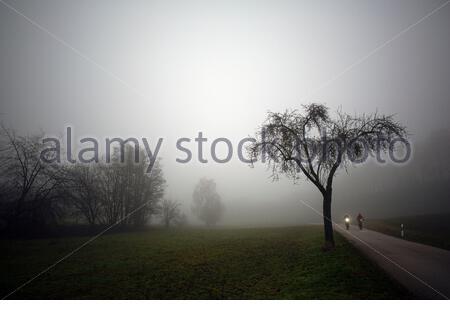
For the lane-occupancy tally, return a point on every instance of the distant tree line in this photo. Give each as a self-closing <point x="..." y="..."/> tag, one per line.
<point x="35" y="195"/>
<point x="38" y="196"/>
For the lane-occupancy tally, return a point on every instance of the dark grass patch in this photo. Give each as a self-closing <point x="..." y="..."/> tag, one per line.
<point x="272" y="263"/>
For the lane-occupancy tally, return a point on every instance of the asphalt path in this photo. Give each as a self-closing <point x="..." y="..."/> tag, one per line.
<point x="422" y="269"/>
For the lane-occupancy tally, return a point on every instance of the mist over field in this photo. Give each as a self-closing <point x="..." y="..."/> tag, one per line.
<point x="172" y="69"/>
<point x="224" y="150"/>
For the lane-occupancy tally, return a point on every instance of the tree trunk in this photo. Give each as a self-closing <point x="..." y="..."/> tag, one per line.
<point x="327" y="222"/>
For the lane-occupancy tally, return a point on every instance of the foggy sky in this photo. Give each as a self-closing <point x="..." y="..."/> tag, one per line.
<point x="169" y="69"/>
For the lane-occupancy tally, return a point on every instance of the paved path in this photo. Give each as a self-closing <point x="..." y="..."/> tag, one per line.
<point x="423" y="269"/>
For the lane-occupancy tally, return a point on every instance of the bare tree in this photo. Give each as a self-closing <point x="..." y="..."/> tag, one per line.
<point x="28" y="185"/>
<point x="207" y="205"/>
<point x="170" y="212"/>
<point x="124" y="187"/>
<point x="314" y="145"/>
<point x="82" y="190"/>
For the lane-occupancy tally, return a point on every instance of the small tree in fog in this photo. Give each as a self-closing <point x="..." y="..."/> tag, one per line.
<point x="170" y="212"/>
<point x="207" y="205"/>
<point x="315" y="145"/>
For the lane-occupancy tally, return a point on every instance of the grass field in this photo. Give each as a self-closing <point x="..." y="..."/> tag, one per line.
<point x="275" y="263"/>
<point x="432" y="229"/>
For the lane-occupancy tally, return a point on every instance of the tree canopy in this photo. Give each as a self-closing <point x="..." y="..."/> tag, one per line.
<point x="313" y="144"/>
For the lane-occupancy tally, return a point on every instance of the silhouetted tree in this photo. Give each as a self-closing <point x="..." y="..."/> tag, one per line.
<point x="82" y="186"/>
<point x="170" y="212"/>
<point x="124" y="187"/>
<point x="28" y="185"/>
<point x="207" y="205"/>
<point x="315" y="145"/>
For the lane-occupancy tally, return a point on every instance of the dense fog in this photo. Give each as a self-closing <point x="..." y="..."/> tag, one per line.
<point x="171" y="69"/>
